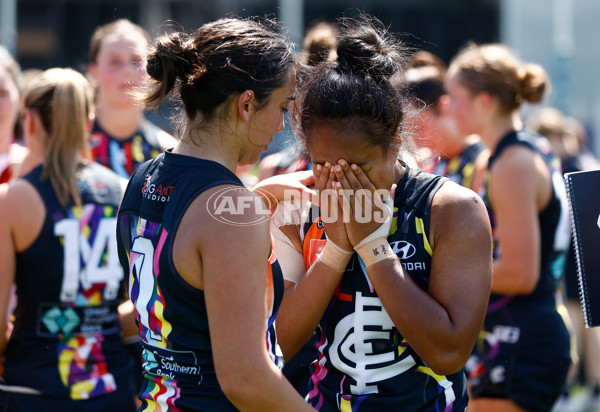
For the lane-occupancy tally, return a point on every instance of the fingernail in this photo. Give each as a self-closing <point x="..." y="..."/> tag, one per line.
<point x="338" y="168"/>
<point x="342" y="162"/>
<point x="319" y="167"/>
<point x="354" y="167"/>
<point x="327" y="164"/>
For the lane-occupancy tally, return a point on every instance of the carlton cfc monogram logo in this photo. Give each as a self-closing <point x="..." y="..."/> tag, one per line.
<point x="353" y="348"/>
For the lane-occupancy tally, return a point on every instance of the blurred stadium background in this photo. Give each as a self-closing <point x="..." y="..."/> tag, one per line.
<point x="561" y="35"/>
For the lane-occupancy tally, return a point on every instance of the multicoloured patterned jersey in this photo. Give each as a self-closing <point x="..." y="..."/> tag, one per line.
<point x="66" y="341"/>
<point x="124" y="155"/>
<point x="522" y="327"/>
<point x="364" y="361"/>
<point x="179" y="370"/>
<point x="460" y="168"/>
<point x="5" y="171"/>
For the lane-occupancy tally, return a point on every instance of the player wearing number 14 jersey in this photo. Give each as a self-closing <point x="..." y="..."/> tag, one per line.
<point x="58" y="246"/>
<point x="66" y="342"/>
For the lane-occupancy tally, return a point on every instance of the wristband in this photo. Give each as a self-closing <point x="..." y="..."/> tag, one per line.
<point x="334" y="256"/>
<point x="382" y="231"/>
<point x="375" y="251"/>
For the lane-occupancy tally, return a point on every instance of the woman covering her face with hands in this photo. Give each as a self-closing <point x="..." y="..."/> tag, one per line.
<point x="393" y="267"/>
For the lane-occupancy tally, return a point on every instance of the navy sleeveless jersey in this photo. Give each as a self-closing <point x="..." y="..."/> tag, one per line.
<point x="123" y="156"/>
<point x="179" y="370"/>
<point x="553" y="222"/>
<point x="524" y="350"/>
<point x="66" y="341"/>
<point x="364" y="362"/>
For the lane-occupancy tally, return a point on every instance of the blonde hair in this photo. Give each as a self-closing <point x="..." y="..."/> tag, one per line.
<point x="63" y="100"/>
<point x="493" y="68"/>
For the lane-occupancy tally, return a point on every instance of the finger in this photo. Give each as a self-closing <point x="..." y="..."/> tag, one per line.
<point x="307" y="178"/>
<point x="324" y="173"/>
<point x="325" y="176"/>
<point x="317" y="169"/>
<point x="328" y="198"/>
<point x="350" y="176"/>
<point x="341" y="176"/>
<point x="362" y="177"/>
<point x="345" y="202"/>
<point x="345" y="189"/>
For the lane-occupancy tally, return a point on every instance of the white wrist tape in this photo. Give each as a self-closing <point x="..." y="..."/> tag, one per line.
<point x="375" y="251"/>
<point x="375" y="247"/>
<point x="334" y="256"/>
<point x="384" y="230"/>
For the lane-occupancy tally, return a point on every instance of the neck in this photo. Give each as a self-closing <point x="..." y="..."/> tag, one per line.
<point x="494" y="131"/>
<point x="211" y="146"/>
<point x="5" y="140"/>
<point x="120" y="123"/>
<point x="399" y="170"/>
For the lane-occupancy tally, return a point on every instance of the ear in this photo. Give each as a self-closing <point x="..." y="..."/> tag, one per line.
<point x="443" y="104"/>
<point x="246" y="105"/>
<point x="29" y="122"/>
<point x="93" y="71"/>
<point x="484" y="100"/>
<point x="90" y="122"/>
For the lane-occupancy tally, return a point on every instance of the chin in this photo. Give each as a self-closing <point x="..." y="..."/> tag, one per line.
<point x="250" y="159"/>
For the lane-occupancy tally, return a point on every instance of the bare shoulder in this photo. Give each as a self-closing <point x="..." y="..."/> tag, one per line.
<point x="516" y="162"/>
<point x="18" y="198"/>
<point x="458" y="210"/>
<point x="23" y="210"/>
<point x="452" y="196"/>
<point x="228" y="212"/>
<point x="221" y="231"/>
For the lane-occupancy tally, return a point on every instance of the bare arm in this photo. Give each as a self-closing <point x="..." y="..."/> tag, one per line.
<point x="442" y="323"/>
<point x="7" y="268"/>
<point x="22" y="213"/>
<point x="305" y="301"/>
<point x="518" y="190"/>
<point x="127" y="316"/>
<point x="289" y="186"/>
<point x="234" y="270"/>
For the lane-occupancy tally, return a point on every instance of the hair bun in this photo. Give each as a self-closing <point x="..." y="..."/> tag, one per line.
<point x="534" y="82"/>
<point x="366" y="48"/>
<point x="169" y="58"/>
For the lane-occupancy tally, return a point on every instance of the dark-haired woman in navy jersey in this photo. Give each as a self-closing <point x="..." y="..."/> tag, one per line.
<point x="395" y="281"/>
<point x="194" y="241"/>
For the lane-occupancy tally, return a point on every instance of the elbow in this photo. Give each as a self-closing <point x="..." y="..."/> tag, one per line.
<point x="449" y="363"/>
<point x="451" y="358"/>
<point x="525" y="285"/>
<point x="237" y="392"/>
<point x="236" y="388"/>
<point x="242" y="380"/>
